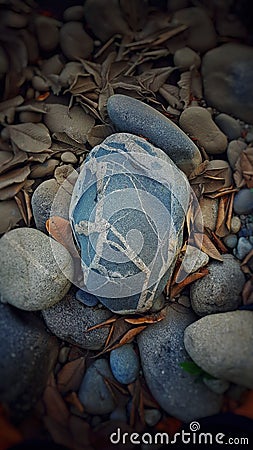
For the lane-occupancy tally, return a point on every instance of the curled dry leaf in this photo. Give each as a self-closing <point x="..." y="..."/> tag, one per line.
<point x="56" y="408"/>
<point x="70" y="376"/>
<point x="176" y="288"/>
<point x="30" y="137"/>
<point x="243" y="174"/>
<point x="207" y="246"/>
<point x="225" y="213"/>
<point x="61" y="231"/>
<point x="210" y="177"/>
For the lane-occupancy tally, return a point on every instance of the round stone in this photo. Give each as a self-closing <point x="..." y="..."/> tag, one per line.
<point x="244" y="246"/>
<point x="42" y="201"/>
<point x="124" y="364"/>
<point x="69" y="158"/>
<point x="229" y="126"/>
<point x="75" y="42"/>
<point x="30" y="277"/>
<point x="86" y="298"/>
<point x="234" y="151"/>
<point x="230" y="240"/>
<point x="185" y="58"/>
<point x="243" y="202"/>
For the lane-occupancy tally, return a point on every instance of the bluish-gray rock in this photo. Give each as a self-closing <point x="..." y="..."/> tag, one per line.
<point x="161" y="351"/>
<point x="86" y="298"/>
<point x="227" y="77"/>
<point x="124" y="364"/>
<point x="94" y="393"/>
<point x="127" y="213"/>
<point x="229" y="126"/>
<point x="230" y="240"/>
<point x="27" y="355"/>
<point x="133" y="116"/>
<point x="243" y="202"/>
<point x="244" y="246"/>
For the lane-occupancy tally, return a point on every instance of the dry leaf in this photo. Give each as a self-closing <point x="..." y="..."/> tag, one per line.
<point x="243" y="174"/>
<point x="247" y="263"/>
<point x="60" y="434"/>
<point x="98" y="133"/>
<point x="207" y="246"/>
<point x="70" y="376"/>
<point x="14" y="176"/>
<point x="55" y="406"/>
<point x="151" y="318"/>
<point x="247" y="292"/>
<point x="73" y="400"/>
<point x="225" y="213"/>
<point x="175" y="289"/>
<point x="30" y="137"/>
<point x="61" y="231"/>
<point x="11" y="191"/>
<point x="211" y="176"/>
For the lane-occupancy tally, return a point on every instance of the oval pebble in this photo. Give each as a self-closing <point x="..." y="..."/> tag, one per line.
<point x="31" y="279"/>
<point x="133" y="116"/>
<point x="69" y="158"/>
<point x="152" y="416"/>
<point x="185" y="57"/>
<point x="229" y="126"/>
<point x="235" y="224"/>
<point x="45" y="169"/>
<point x="39" y="84"/>
<point x="244" y="246"/>
<point x="75" y="42"/>
<point x="234" y="150"/>
<point x="230" y="241"/>
<point x="243" y="202"/>
<point x="48" y="34"/>
<point x="198" y="122"/>
<point x="124" y="364"/>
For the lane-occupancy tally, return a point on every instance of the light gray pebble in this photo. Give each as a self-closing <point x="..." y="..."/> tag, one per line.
<point x="230" y="126"/>
<point x="219" y="290"/>
<point x="152" y="416"/>
<point x="234" y="150"/>
<point x="244" y="246"/>
<point x="69" y="158"/>
<point x="185" y="57"/>
<point x="230" y="240"/>
<point x="31" y="276"/>
<point x="94" y="393"/>
<point x="235" y="225"/>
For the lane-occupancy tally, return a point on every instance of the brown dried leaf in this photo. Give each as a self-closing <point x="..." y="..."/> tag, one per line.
<point x="55" y="406"/>
<point x="225" y="213"/>
<point x="212" y="176"/>
<point x="247" y="263"/>
<point x="171" y="95"/>
<point x="61" y="231"/>
<point x="70" y="376"/>
<point x="207" y="246"/>
<point x="154" y="79"/>
<point x="14" y="176"/>
<point x="190" y="86"/>
<point x="247" y="292"/>
<point x="11" y="191"/>
<point x="73" y="400"/>
<point x="17" y="157"/>
<point x="30" y="137"/>
<point x="151" y="318"/>
<point x="128" y="337"/>
<point x="175" y="289"/>
<point x="243" y="174"/>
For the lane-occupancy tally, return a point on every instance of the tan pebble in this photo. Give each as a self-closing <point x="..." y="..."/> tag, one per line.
<point x="185" y="57"/>
<point x="30" y="116"/>
<point x="62" y="173"/>
<point x="234" y="151"/>
<point x="198" y="122"/>
<point x="10" y="215"/>
<point x="235" y="224"/>
<point x="45" y="169"/>
<point x="209" y="208"/>
<point x="39" y="83"/>
<point x="69" y="158"/>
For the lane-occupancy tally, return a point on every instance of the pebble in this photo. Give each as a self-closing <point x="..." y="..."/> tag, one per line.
<point x="230" y="240"/>
<point x="28" y="354"/>
<point x="69" y="158"/>
<point x="43" y="200"/>
<point x="10" y="215"/>
<point x="119" y="413"/>
<point x="63" y="355"/>
<point x="47" y="30"/>
<point x="216" y="385"/>
<point x="94" y="393"/>
<point x="198" y="122"/>
<point x="161" y="352"/>
<point x="133" y="116"/>
<point x="45" y="169"/>
<point x="69" y="320"/>
<point x="209" y="209"/>
<point x="152" y="417"/>
<point x="244" y="246"/>
<point x="120" y="284"/>
<point x="199" y="24"/>
<point x="249" y="136"/>
<point x="75" y="42"/>
<point x="184" y="301"/>
<point x="124" y="364"/>
<point x="243" y="202"/>
<point x="32" y="266"/>
<point x="234" y="150"/>
<point x="30" y="116"/>
<point x="229" y="126"/>
<point x="86" y="298"/>
<point x="227" y="77"/>
<point x="185" y="57"/>
<point x="39" y="84"/>
<point x="73" y="13"/>
<point x="194" y="259"/>
<point x="53" y="65"/>
<point x="219" y="291"/>
<point x="222" y="345"/>
<point x="235" y="225"/>
<point x="158" y="304"/>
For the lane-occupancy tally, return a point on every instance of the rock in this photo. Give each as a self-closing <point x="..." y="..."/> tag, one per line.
<point x="199" y="24"/>
<point x="244" y="246"/>
<point x="243" y="202"/>
<point x="103" y="21"/>
<point x="194" y="259"/>
<point x="45" y="169"/>
<point x="69" y="72"/>
<point x="229" y="126"/>
<point x="86" y="298"/>
<point x="161" y="351"/>
<point x="53" y="65"/>
<point x="69" y="320"/>
<point x="227" y="76"/>
<point x="28" y="354"/>
<point x="29" y="116"/>
<point x="94" y="393"/>
<point x="234" y="150"/>
<point x="119" y="413"/>
<point x="230" y="241"/>
<point x="222" y="345"/>
<point x="185" y="57"/>
<point x="10" y="215"/>
<point x="42" y="201"/>
<point x="152" y="417"/>
<point x="75" y="42"/>
<point x="69" y="158"/>
<point x="124" y="364"/>
<point x="47" y="30"/>
<point x="31" y="278"/>
<point x="219" y="291"/>
<point x="216" y="385"/>
<point x="133" y="116"/>
<point x="125" y="197"/>
<point x="40" y="84"/>
<point x="235" y="225"/>
<point x="73" y="13"/>
<point x="209" y="209"/>
<point x="158" y="304"/>
<point x="198" y="122"/>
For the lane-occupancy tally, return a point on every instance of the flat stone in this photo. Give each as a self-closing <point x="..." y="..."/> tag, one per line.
<point x="30" y="277"/>
<point x="10" y="215"/>
<point x="161" y="351"/>
<point x="222" y="345"/>
<point x="94" y="393"/>
<point x="198" y="122"/>
<point x="69" y="158"/>
<point x="219" y="291"/>
<point x="28" y="353"/>
<point x="133" y="116"/>
<point x="229" y="126"/>
<point x="243" y="202"/>
<point x="124" y="364"/>
<point x="244" y="246"/>
<point x="230" y="240"/>
<point x="234" y="150"/>
<point x="69" y="320"/>
<point x="75" y="42"/>
<point x="127" y="213"/>
<point x="42" y="201"/>
<point x="45" y="169"/>
<point x="228" y="76"/>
